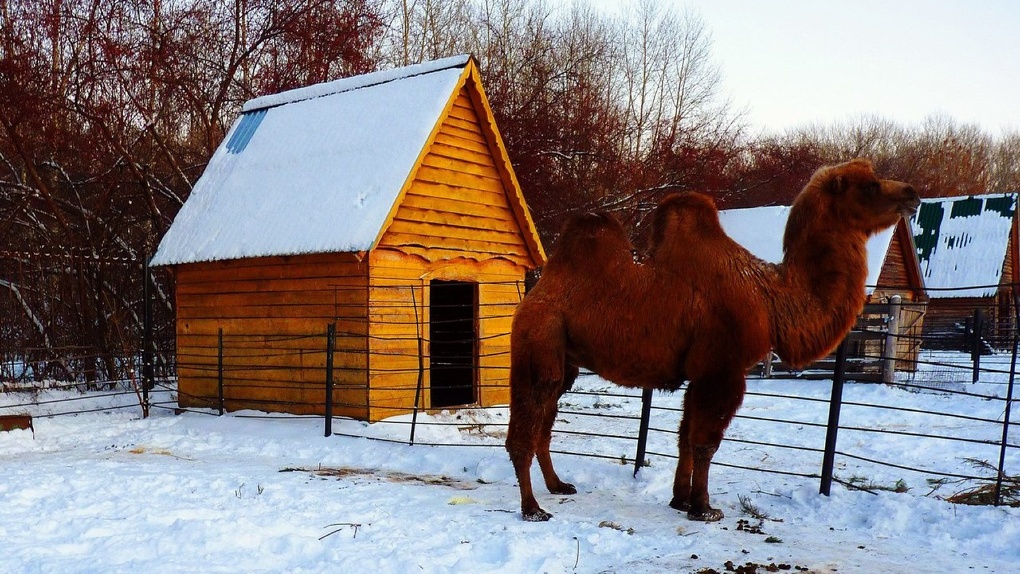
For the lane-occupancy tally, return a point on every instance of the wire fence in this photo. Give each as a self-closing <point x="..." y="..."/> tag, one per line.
<point x="941" y="420"/>
<point x="80" y="316"/>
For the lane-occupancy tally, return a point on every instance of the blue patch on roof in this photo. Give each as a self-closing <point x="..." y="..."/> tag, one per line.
<point x="245" y="130"/>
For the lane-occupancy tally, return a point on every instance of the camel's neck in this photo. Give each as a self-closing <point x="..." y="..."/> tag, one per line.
<point x="819" y="293"/>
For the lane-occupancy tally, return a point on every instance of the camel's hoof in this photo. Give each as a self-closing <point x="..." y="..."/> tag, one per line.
<point x="681" y="505"/>
<point x="707" y="515"/>
<point x="537" y="515"/>
<point x="564" y="488"/>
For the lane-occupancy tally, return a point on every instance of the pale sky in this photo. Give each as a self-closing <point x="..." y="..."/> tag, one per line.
<point x="796" y="62"/>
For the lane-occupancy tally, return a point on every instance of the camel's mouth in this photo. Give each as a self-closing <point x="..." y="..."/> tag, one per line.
<point x="911" y="204"/>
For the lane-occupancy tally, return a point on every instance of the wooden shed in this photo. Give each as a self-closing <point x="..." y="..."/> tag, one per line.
<point x="893" y="270"/>
<point x="385" y="203"/>
<point x="967" y="248"/>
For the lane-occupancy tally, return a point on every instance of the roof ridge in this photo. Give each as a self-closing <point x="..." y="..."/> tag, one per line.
<point x="1014" y="194"/>
<point x="354" y="83"/>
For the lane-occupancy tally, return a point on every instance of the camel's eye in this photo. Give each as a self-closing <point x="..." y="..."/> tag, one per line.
<point x="872" y="188"/>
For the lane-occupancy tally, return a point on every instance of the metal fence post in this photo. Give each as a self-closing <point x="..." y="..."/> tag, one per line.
<point x="219" y="368"/>
<point x="892" y="337"/>
<point x="975" y="350"/>
<point x="421" y="363"/>
<point x="148" y="372"/>
<point x="1009" y="401"/>
<point x="835" y="402"/>
<point x="330" y="345"/>
<point x="642" y="441"/>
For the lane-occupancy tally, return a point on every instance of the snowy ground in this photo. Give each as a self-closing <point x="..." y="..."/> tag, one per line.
<point x="112" y="492"/>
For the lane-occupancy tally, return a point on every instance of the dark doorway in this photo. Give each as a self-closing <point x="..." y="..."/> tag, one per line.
<point x="453" y="313"/>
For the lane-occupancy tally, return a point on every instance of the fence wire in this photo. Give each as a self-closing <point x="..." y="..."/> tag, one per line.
<point x="959" y="350"/>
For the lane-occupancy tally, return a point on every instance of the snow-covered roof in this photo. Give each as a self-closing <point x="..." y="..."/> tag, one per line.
<point x="962" y="241"/>
<point x="312" y="170"/>
<point x="760" y="231"/>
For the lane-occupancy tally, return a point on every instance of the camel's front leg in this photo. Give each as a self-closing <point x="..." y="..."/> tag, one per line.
<point x="708" y="408"/>
<point x="684" y="469"/>
<point x="700" y="509"/>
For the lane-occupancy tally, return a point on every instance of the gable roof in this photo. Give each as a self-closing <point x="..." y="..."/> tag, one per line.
<point x="760" y="231"/>
<point x="962" y="242"/>
<point x="321" y="169"/>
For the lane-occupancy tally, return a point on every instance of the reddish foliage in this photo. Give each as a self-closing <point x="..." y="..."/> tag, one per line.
<point x="771" y="174"/>
<point x="108" y="113"/>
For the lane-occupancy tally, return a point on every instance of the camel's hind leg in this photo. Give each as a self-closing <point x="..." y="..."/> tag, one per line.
<point x="552" y="481"/>
<point x="708" y="409"/>
<point x="522" y="442"/>
<point x="521" y="457"/>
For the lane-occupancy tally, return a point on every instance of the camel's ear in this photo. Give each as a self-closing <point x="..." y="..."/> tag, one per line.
<point x="838" y="184"/>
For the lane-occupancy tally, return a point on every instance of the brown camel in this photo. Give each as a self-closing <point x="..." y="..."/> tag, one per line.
<point x="700" y="308"/>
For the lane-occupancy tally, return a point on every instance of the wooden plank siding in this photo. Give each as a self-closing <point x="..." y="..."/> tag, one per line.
<point x="900" y="274"/>
<point x="397" y="319"/>
<point x="497" y="303"/>
<point x="399" y="298"/>
<point x="273" y="312"/>
<point x="1008" y="273"/>
<point x="457" y="204"/>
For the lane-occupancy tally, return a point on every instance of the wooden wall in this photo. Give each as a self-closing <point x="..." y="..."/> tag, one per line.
<point x="900" y="275"/>
<point x="273" y="312"/>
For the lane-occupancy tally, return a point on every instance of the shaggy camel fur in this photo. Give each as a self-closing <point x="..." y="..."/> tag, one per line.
<point x="700" y="308"/>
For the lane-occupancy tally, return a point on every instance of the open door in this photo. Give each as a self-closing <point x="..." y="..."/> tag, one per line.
<point x="453" y="321"/>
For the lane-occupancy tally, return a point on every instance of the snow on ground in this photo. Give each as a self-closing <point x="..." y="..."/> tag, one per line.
<point x="113" y="492"/>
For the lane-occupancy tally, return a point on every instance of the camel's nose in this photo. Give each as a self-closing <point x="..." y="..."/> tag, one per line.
<point x="912" y="195"/>
<point x="911" y="200"/>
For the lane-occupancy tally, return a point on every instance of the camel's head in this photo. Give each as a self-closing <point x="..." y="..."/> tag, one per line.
<point x="850" y="193"/>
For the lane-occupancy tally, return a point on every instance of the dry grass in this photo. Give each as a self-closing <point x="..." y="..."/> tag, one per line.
<point x="984" y="495"/>
<point x="387" y="475"/>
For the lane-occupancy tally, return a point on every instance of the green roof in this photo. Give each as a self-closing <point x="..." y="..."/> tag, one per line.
<point x="962" y="241"/>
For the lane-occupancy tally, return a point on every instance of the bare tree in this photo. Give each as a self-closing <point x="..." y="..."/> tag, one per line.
<point x="941" y="157"/>
<point x="1005" y="164"/>
<point x="108" y="112"/>
<point x="421" y="30"/>
<point x="670" y="84"/>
